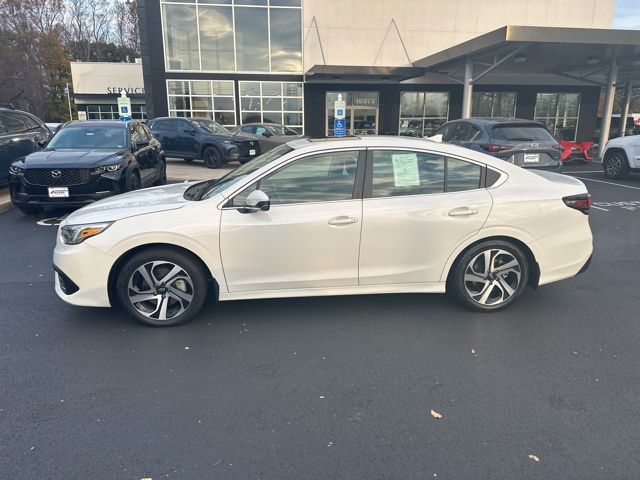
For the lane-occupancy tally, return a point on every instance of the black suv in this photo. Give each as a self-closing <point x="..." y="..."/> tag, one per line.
<point x="521" y="142"/>
<point x="20" y="134"/>
<point x="86" y="161"/>
<point x="201" y="138"/>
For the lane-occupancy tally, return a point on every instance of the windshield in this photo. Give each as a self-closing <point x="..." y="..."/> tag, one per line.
<point x="210" y="188"/>
<point x="522" y="133"/>
<point x="86" y="137"/>
<point x="281" y="130"/>
<point x="212" y="127"/>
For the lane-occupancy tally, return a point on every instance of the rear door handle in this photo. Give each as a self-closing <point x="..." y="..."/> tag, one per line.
<point x="342" y="220"/>
<point x="463" y="212"/>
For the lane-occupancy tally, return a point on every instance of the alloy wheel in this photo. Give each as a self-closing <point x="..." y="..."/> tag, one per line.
<point x="492" y="277"/>
<point x="614" y="165"/>
<point x="160" y="290"/>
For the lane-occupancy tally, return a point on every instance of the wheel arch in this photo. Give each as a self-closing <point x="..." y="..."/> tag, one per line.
<point x="617" y="149"/>
<point x="208" y="144"/>
<point x="534" y="267"/>
<point x="124" y="257"/>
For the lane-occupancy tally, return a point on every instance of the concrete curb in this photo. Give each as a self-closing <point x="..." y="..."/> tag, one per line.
<point x="5" y="200"/>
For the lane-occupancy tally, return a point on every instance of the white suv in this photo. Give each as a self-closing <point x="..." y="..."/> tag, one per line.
<point x="622" y="156"/>
<point x="344" y="217"/>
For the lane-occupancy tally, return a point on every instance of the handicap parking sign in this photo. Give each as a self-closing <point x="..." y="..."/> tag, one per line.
<point x="339" y="127"/>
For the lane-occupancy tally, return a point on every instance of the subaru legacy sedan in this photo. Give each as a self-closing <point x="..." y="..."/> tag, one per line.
<point x="329" y="217"/>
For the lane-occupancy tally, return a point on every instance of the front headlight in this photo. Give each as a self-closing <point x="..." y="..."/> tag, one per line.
<point x="108" y="168"/>
<point x="15" y="169"/>
<point x="75" y="234"/>
<point x="228" y="142"/>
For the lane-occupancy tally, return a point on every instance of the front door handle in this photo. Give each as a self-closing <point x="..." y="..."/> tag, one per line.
<point x="463" y="212"/>
<point x="342" y="220"/>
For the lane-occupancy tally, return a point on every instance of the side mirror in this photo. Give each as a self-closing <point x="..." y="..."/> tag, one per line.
<point x="141" y="144"/>
<point x="42" y="142"/>
<point x="266" y="133"/>
<point x="436" y="138"/>
<point x="256" y="201"/>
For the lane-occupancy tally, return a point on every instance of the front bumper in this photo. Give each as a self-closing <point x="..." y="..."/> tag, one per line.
<point x="82" y="274"/>
<point x="24" y="194"/>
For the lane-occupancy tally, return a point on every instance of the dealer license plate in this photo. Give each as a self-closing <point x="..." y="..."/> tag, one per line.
<point x="531" y="157"/>
<point x="58" y="192"/>
<point x="252" y="152"/>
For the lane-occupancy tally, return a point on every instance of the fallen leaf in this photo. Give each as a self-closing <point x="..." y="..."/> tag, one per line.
<point x="534" y="458"/>
<point x="186" y="348"/>
<point x="435" y="414"/>
<point x="473" y="351"/>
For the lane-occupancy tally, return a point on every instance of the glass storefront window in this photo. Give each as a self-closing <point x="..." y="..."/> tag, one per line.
<point x="238" y="35"/>
<point x="559" y="112"/>
<point x="493" y="104"/>
<point x="181" y="38"/>
<point x="422" y="113"/>
<point x="272" y="102"/>
<point x="361" y="115"/>
<point x="214" y="99"/>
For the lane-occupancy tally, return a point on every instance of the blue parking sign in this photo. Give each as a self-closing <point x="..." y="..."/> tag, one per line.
<point x="339" y="127"/>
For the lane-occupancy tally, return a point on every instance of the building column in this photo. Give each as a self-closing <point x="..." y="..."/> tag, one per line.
<point x="625" y="108"/>
<point x="467" y="93"/>
<point x="608" y="107"/>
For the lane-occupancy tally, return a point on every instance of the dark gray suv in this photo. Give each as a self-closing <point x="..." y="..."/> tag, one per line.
<point x="521" y="142"/>
<point x="20" y="134"/>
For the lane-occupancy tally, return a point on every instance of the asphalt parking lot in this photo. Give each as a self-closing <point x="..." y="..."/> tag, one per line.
<point x="328" y="388"/>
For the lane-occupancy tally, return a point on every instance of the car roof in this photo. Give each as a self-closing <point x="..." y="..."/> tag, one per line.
<point x="98" y="123"/>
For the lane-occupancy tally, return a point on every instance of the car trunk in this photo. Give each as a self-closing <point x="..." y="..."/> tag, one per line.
<point x="528" y="145"/>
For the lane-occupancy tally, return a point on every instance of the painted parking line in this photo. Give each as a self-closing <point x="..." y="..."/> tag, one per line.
<point x="599" y="208"/>
<point x="608" y="183"/>
<point x="52" y="221"/>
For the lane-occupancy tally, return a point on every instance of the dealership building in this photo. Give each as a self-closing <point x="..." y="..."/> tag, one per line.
<point x="97" y="86"/>
<point x="403" y="66"/>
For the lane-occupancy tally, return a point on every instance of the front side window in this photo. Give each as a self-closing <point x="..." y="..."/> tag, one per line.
<point x="401" y="173"/>
<point x="323" y="177"/>
<point x="12" y="122"/>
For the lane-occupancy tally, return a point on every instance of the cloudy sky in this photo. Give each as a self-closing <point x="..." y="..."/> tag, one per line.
<point x="627" y="14"/>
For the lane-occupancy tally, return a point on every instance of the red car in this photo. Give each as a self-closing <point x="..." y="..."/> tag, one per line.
<point x="576" y="151"/>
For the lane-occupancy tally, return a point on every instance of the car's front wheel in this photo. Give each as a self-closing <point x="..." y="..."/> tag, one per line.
<point x="212" y="158"/>
<point x="615" y="165"/>
<point x="490" y="276"/>
<point x="162" y="287"/>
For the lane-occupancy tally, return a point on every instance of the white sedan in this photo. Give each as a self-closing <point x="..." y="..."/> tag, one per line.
<point x="329" y="217"/>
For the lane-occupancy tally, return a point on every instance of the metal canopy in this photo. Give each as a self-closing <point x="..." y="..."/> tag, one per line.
<point x="360" y="74"/>
<point x="582" y="54"/>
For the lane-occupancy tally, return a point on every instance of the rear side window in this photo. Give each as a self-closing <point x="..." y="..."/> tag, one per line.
<point x="248" y="129"/>
<point x="12" y="122"/>
<point x="400" y="173"/>
<point x="31" y="123"/>
<point x="522" y="133"/>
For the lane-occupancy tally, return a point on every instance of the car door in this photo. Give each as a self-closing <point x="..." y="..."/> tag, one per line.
<point x="165" y="131"/>
<point x="144" y="153"/>
<point x="155" y="152"/>
<point x="310" y="236"/>
<point x="187" y="139"/>
<point x="418" y="207"/>
<point x="21" y="142"/>
<point x="5" y="155"/>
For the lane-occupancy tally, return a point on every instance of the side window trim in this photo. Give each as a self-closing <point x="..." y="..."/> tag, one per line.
<point x="368" y="180"/>
<point x="357" y="188"/>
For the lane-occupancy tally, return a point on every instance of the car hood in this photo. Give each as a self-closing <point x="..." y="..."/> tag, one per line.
<point x="71" y="158"/>
<point x="140" y="202"/>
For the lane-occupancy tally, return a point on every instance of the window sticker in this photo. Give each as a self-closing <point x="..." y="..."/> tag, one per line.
<point x="405" y="169"/>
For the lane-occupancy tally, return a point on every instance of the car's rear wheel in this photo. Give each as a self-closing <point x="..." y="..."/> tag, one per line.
<point x="211" y="157"/>
<point x="615" y="165"/>
<point x="161" y="287"/>
<point x="490" y="275"/>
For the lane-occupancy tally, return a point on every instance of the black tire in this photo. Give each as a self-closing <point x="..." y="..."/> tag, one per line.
<point x="177" y="309"/>
<point x="616" y="165"/>
<point x="134" y="182"/>
<point x="163" y="175"/>
<point x="492" y="284"/>
<point x="30" y="211"/>
<point x="212" y="157"/>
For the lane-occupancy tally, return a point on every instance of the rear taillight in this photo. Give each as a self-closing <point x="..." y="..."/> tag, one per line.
<point x="580" y="202"/>
<point x="495" y="148"/>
